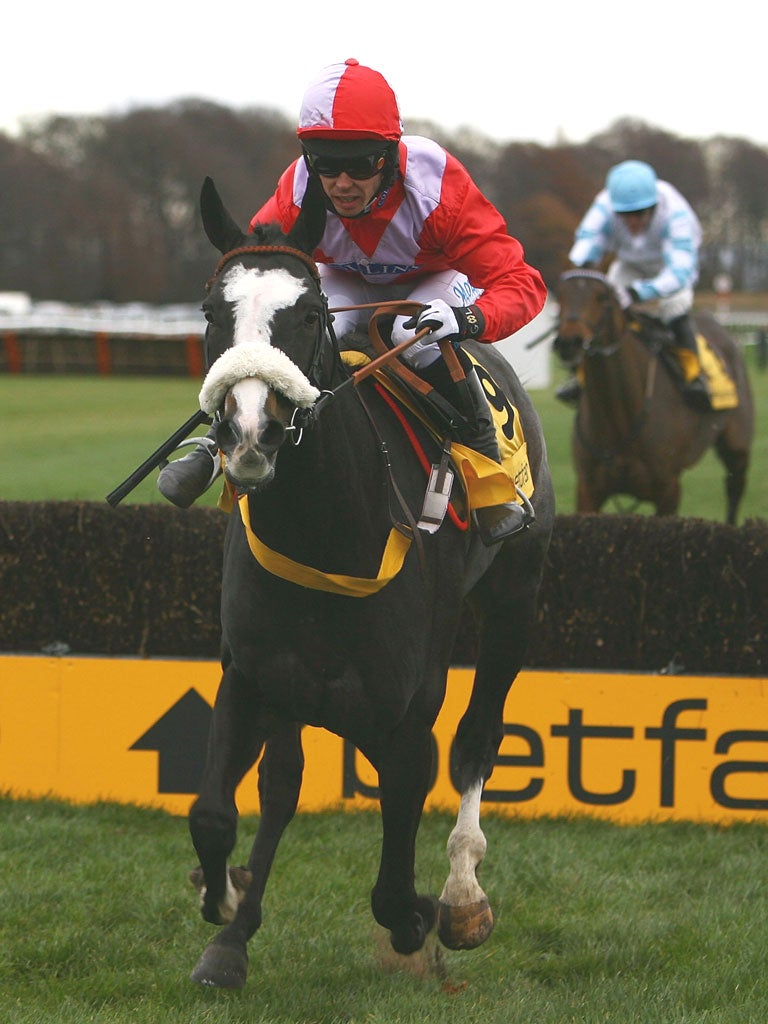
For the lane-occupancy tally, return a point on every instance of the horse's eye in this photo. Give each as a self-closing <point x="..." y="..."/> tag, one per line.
<point x="312" y="317"/>
<point x="208" y="314"/>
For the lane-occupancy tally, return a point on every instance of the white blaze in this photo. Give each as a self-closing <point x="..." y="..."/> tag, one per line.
<point x="251" y="396"/>
<point x="256" y="295"/>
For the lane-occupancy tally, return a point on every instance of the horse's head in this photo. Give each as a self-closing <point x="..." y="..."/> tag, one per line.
<point x="590" y="318"/>
<point x="268" y="345"/>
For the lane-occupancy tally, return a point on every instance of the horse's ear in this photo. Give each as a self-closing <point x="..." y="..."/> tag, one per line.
<point x="217" y="222"/>
<point x="310" y="224"/>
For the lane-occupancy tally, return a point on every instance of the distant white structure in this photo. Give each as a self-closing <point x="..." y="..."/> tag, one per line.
<point x="18" y="313"/>
<point x="111" y="318"/>
<point x="15" y="303"/>
<point x="532" y="365"/>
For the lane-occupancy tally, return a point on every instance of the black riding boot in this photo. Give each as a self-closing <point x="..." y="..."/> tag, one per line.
<point x="494" y="523"/>
<point x="184" y="480"/>
<point x="694" y="385"/>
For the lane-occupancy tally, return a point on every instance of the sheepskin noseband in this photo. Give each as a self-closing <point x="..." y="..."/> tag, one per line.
<point x="261" y="360"/>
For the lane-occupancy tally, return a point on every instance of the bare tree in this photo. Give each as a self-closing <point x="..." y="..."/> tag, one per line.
<point x="107" y="207"/>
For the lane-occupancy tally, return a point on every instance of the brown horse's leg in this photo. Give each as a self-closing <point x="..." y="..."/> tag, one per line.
<point x="736" y="463"/>
<point x="587" y="499"/>
<point x="668" y="502"/>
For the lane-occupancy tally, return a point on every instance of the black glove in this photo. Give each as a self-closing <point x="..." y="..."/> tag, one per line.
<point x="457" y="323"/>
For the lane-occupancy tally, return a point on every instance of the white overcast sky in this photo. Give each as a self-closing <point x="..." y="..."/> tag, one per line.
<point x="538" y="71"/>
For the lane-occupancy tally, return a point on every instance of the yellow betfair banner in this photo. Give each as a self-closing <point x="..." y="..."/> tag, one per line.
<point x="626" y="747"/>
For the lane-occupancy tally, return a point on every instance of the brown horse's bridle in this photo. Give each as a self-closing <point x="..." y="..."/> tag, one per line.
<point x="589" y="332"/>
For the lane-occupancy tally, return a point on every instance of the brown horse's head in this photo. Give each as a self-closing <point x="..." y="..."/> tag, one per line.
<point x="590" y="316"/>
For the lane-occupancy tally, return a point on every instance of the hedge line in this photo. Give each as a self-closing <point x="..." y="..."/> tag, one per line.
<point x="619" y="592"/>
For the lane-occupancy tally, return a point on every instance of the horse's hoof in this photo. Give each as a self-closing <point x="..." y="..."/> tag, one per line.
<point x="464" y="927"/>
<point x="221" y="967"/>
<point x="410" y="939"/>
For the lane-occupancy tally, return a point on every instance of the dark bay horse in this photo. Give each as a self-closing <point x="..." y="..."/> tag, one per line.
<point x="321" y="481"/>
<point x="634" y="433"/>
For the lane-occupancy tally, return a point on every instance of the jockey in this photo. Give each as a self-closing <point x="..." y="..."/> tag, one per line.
<point x="655" y="236"/>
<point x="406" y="222"/>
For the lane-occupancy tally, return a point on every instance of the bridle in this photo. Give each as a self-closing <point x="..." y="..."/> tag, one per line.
<point x="589" y="333"/>
<point x="256" y="250"/>
<point x="324" y="334"/>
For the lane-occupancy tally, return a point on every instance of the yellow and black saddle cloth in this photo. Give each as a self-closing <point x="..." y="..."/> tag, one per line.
<point x="683" y="366"/>
<point x="720" y="384"/>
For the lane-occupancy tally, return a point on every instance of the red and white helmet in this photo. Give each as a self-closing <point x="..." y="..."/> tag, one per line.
<point x="347" y="102"/>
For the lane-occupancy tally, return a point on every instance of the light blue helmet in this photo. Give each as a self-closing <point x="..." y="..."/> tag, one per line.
<point x="631" y="186"/>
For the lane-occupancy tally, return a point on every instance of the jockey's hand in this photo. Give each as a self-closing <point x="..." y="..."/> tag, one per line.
<point x="626" y="296"/>
<point x="456" y="323"/>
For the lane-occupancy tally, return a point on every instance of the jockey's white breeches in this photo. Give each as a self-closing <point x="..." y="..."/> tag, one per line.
<point x="346" y="289"/>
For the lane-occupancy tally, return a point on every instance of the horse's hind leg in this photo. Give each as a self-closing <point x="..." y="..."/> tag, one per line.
<point x="465" y="919"/>
<point x="736" y="462"/>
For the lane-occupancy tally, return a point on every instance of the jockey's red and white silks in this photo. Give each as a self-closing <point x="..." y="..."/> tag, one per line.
<point x="433" y="218"/>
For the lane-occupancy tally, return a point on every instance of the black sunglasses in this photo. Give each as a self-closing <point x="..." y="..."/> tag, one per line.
<point x="357" y="167"/>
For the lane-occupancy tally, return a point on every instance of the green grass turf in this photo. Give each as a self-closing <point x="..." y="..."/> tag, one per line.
<point x="594" y="923"/>
<point x="76" y="438"/>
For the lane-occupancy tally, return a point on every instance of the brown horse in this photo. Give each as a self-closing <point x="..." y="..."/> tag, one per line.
<point x="634" y="433"/>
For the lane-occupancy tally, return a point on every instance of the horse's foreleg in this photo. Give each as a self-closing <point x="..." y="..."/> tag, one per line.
<point x="233" y="747"/>
<point x="465" y="918"/>
<point x="589" y="498"/>
<point x="404" y="773"/>
<point x="667" y="502"/>
<point x="235" y="741"/>
<point x="224" y="962"/>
